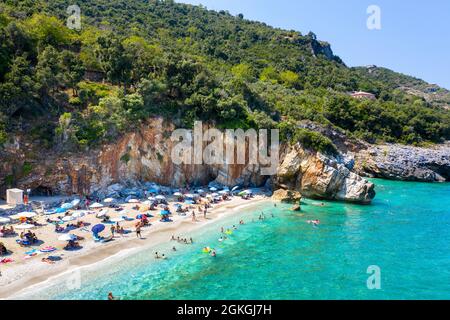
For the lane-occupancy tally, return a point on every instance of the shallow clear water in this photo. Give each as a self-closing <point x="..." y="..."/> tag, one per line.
<point x="406" y="232"/>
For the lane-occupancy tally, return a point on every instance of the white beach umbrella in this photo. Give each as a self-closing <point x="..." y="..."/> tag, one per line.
<point x="79" y="213"/>
<point x="223" y="192"/>
<point x="178" y="194"/>
<point x="68" y="218"/>
<point x="75" y="202"/>
<point x="4" y="220"/>
<point x="118" y="219"/>
<point x="27" y="214"/>
<point x="102" y="213"/>
<point x="96" y="205"/>
<point x="200" y="191"/>
<point x="213" y="189"/>
<point x="67" y="237"/>
<point x="133" y="201"/>
<point x="160" y="197"/>
<point x="151" y="198"/>
<point x="147" y="202"/>
<point x="109" y="200"/>
<point x="24" y="226"/>
<point x="235" y="188"/>
<point x="55" y="219"/>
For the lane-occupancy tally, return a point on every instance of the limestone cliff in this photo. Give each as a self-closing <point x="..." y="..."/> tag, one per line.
<point x="145" y="155"/>
<point x="319" y="176"/>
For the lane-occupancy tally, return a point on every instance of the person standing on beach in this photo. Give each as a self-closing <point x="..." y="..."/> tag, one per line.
<point x="193" y="216"/>
<point x="113" y="229"/>
<point x="204" y="214"/>
<point x="138" y="231"/>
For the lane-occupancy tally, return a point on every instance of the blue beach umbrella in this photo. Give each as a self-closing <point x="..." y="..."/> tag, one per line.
<point x="60" y="210"/>
<point x="98" y="228"/>
<point x="67" y="206"/>
<point x="189" y="202"/>
<point x="165" y="213"/>
<point x="139" y="216"/>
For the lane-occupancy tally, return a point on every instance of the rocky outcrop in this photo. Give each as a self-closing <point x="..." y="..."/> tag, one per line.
<point x="145" y="155"/>
<point x="289" y="196"/>
<point x="399" y="162"/>
<point x="319" y="176"/>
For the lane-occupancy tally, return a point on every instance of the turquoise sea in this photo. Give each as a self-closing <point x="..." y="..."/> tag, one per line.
<point x="405" y="232"/>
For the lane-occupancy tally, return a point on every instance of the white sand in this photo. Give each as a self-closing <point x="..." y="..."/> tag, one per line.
<point x="22" y="273"/>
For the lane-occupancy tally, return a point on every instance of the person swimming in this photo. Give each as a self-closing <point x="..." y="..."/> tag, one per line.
<point x="213" y="253"/>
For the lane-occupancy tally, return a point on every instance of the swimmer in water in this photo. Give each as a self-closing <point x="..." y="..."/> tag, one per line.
<point x="234" y="227"/>
<point x="213" y="254"/>
<point x="174" y="249"/>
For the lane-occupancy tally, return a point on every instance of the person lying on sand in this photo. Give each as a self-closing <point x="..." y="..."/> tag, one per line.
<point x="47" y="260"/>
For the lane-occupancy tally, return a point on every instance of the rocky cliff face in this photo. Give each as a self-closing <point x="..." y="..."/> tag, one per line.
<point x="398" y="162"/>
<point x="319" y="176"/>
<point x="145" y="155"/>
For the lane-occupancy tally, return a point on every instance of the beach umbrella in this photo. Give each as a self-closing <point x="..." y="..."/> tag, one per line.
<point x="24" y="226"/>
<point x="200" y="191"/>
<point x="133" y="201"/>
<point x="67" y="237"/>
<point x="139" y="216"/>
<point x="147" y="202"/>
<point x="49" y="212"/>
<point x="78" y="213"/>
<point x="118" y="219"/>
<point x="96" y="205"/>
<point x="109" y="200"/>
<point x="165" y="213"/>
<point x="26" y="214"/>
<point x="75" y="202"/>
<point x="178" y="194"/>
<point x="67" y="206"/>
<point x="235" y="188"/>
<point x="4" y="220"/>
<point x="98" y="228"/>
<point x="153" y="190"/>
<point x="223" y="192"/>
<point x="102" y="213"/>
<point x="55" y="219"/>
<point x="68" y="218"/>
<point x="226" y="189"/>
<point x="191" y="196"/>
<point x="213" y="189"/>
<point x="189" y="202"/>
<point x="60" y="210"/>
<point x="214" y="195"/>
<point x="160" y="197"/>
<point x="151" y="198"/>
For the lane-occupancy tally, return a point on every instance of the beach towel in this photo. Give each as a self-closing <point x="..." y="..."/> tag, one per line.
<point x="6" y="260"/>
<point x="48" y="249"/>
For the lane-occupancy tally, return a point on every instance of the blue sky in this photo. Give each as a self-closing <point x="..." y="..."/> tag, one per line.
<point x="414" y="38"/>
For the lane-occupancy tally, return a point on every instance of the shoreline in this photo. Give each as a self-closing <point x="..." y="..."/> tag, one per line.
<point x="32" y="275"/>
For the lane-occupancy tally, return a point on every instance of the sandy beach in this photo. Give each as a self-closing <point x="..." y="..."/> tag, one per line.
<point x="25" y="273"/>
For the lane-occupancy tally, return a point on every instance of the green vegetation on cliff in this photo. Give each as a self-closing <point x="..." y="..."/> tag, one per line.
<point x="134" y="59"/>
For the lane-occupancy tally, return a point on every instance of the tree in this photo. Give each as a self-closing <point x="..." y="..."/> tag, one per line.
<point x="72" y="69"/>
<point x="19" y="88"/>
<point x="48" y="70"/>
<point x="115" y="61"/>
